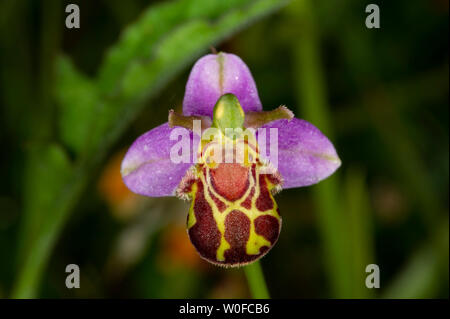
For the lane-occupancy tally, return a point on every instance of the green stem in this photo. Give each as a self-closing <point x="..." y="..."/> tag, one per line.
<point x="256" y="282"/>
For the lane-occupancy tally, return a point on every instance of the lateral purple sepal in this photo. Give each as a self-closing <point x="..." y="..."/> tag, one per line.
<point x="148" y="169"/>
<point x="305" y="155"/>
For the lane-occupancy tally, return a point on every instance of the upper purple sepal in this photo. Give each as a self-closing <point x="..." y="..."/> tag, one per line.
<point x="148" y="169"/>
<point x="214" y="75"/>
<point x="305" y="155"/>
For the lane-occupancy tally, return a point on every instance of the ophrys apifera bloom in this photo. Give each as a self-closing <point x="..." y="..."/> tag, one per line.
<point x="234" y="159"/>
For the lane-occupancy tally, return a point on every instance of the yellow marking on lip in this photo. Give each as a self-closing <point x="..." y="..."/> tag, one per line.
<point x="191" y="215"/>
<point x="224" y="245"/>
<point x="218" y="217"/>
<point x="255" y="241"/>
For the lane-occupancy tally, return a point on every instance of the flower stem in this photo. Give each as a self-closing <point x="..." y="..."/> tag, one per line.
<point x="256" y="282"/>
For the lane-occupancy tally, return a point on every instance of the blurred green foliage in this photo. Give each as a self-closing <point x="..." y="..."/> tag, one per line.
<point x="72" y="100"/>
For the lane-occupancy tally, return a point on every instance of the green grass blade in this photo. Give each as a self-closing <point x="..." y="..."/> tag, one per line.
<point x="312" y="97"/>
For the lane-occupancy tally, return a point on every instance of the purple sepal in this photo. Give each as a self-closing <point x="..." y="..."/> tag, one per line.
<point x="305" y="155"/>
<point x="148" y="169"/>
<point x="214" y="75"/>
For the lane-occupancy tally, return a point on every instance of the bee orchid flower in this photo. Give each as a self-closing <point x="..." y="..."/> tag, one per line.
<point x="228" y="176"/>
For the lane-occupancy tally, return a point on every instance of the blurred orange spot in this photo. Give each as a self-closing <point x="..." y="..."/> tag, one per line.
<point x="178" y="250"/>
<point x="122" y="201"/>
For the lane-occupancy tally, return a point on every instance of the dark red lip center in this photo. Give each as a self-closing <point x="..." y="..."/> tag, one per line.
<point x="230" y="180"/>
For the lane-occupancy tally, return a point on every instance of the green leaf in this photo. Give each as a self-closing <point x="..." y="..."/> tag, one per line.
<point x="77" y="97"/>
<point x="48" y="170"/>
<point x="139" y="41"/>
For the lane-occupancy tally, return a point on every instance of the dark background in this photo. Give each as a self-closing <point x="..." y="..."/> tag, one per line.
<point x="381" y="95"/>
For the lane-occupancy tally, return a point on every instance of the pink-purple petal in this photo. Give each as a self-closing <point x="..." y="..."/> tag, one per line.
<point x="147" y="168"/>
<point x="305" y="155"/>
<point x="214" y="75"/>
